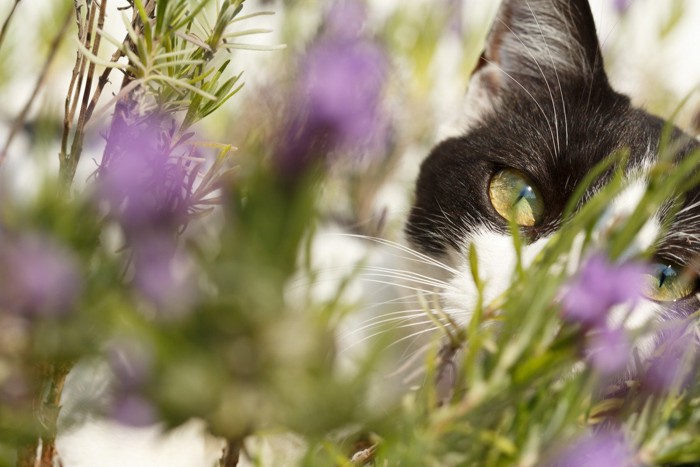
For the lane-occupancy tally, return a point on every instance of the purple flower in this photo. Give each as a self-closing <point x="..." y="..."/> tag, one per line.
<point x="163" y="275"/>
<point x="41" y="277"/>
<point x="604" y="448"/>
<point x="668" y="364"/>
<point x="599" y="286"/>
<point x="608" y="351"/>
<point x="15" y="390"/>
<point x="132" y="409"/>
<point x="454" y="20"/>
<point x="621" y="6"/>
<point x="338" y="93"/>
<point x="345" y="19"/>
<point x="131" y="362"/>
<point x="146" y="187"/>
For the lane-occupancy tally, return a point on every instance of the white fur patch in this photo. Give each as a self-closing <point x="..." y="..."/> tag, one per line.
<point x="496" y="261"/>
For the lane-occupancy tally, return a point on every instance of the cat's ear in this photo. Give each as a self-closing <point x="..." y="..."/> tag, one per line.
<point x="536" y="44"/>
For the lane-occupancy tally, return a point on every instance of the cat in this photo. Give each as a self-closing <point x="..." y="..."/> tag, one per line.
<point x="541" y="114"/>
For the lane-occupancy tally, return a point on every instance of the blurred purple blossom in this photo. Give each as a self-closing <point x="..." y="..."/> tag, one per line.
<point x="345" y="19"/>
<point x="602" y="448"/>
<point x="131" y="362"/>
<point x="599" y="286"/>
<point x="338" y="94"/>
<point x="668" y="365"/>
<point x="41" y="277"/>
<point x="164" y="276"/>
<point x="146" y="187"/>
<point x="14" y="388"/>
<point x="608" y="351"/>
<point x="621" y="6"/>
<point x="132" y="409"/>
<point x="454" y="21"/>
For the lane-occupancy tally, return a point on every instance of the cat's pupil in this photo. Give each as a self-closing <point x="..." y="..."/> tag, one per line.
<point x="666" y="273"/>
<point x="526" y="193"/>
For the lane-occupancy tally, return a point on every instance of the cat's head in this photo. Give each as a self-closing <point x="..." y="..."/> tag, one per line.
<point x="541" y="114"/>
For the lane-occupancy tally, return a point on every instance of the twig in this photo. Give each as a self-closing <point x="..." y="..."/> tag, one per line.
<point x="41" y="452"/>
<point x="70" y="163"/>
<point x="26" y="454"/>
<point x="102" y="82"/>
<point x="6" y="24"/>
<point x="19" y="121"/>
<point x="232" y="453"/>
<point x="73" y="90"/>
<point x="364" y="456"/>
<point x="49" y="413"/>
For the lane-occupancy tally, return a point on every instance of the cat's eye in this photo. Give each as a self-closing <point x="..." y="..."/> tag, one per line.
<point x="666" y="283"/>
<point x="515" y="198"/>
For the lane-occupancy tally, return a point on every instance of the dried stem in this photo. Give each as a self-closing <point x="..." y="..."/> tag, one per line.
<point x="232" y="453"/>
<point x="6" y="24"/>
<point x="26" y="454"/>
<point x="19" y="121"/>
<point x="50" y="411"/>
<point x="73" y="90"/>
<point x="47" y="403"/>
<point x="70" y="162"/>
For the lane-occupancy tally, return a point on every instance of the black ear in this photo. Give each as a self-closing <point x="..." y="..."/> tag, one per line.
<point x="535" y="45"/>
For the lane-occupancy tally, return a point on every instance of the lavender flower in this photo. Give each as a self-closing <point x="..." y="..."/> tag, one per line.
<point x="667" y="365"/>
<point x="454" y="21"/>
<point x="131" y="362"/>
<point x="338" y="91"/>
<point x="604" y="448"/>
<point x="133" y="409"/>
<point x="621" y="6"/>
<point x="163" y="275"/>
<point x="599" y="286"/>
<point x="608" y="351"/>
<point x="41" y="277"/>
<point x="145" y="186"/>
<point x="345" y="19"/>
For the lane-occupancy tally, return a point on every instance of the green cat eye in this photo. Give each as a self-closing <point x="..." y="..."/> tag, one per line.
<point x="667" y="284"/>
<point x="515" y="198"/>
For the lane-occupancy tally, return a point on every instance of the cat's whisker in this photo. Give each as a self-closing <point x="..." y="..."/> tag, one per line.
<point x="403" y="286"/>
<point x="413" y="336"/>
<point x="384" y="331"/>
<point x="411" y="361"/>
<point x="399" y="320"/>
<point x="415" y="254"/>
<point x="412" y="278"/>
<point x="416" y="312"/>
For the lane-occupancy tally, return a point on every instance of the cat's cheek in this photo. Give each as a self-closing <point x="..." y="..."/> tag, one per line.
<point x="496" y="261"/>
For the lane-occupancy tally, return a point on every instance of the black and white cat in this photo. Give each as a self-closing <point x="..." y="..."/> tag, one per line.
<point x="541" y="114"/>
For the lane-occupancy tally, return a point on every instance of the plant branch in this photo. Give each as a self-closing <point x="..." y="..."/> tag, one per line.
<point x="6" y="24"/>
<point x="73" y="90"/>
<point x="70" y="163"/>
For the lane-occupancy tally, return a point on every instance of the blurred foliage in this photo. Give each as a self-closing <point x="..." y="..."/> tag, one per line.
<point x="225" y="338"/>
